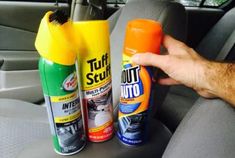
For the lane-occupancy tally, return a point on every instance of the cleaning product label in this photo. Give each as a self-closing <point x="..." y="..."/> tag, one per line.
<point x="97" y="95"/>
<point x="134" y="102"/>
<point x="63" y="106"/>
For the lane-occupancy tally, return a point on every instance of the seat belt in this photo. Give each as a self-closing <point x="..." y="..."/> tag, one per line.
<point x="227" y="47"/>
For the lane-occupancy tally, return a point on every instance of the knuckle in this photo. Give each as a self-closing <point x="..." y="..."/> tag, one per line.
<point x="182" y="45"/>
<point x="167" y="63"/>
<point x="151" y="59"/>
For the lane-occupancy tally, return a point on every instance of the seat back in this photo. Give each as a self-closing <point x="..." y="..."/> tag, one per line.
<point x="216" y="38"/>
<point x="171" y="15"/>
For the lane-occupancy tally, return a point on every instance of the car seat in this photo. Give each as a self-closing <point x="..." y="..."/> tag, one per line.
<point x="23" y="124"/>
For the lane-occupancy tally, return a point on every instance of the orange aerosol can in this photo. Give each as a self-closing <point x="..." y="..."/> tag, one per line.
<point x="142" y="35"/>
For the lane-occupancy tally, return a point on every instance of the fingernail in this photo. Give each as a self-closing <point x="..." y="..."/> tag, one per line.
<point x="135" y="58"/>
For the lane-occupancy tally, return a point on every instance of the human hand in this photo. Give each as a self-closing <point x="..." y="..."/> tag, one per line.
<point x="182" y="64"/>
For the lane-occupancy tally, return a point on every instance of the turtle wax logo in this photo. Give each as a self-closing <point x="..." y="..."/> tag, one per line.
<point x="70" y="83"/>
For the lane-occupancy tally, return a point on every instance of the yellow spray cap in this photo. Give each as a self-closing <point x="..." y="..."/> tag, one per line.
<point x="93" y="35"/>
<point x="56" y="42"/>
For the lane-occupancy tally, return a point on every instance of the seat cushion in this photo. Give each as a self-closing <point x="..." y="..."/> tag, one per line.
<point x="176" y="105"/>
<point x="24" y="133"/>
<point x="159" y="136"/>
<point x="21" y="123"/>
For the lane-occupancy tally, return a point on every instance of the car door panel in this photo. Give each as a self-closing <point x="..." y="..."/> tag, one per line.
<point x="25" y="15"/>
<point x="16" y="39"/>
<point x="19" y="21"/>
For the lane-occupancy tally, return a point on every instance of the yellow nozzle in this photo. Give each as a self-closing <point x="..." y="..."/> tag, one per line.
<point x="56" y="42"/>
<point x="93" y="36"/>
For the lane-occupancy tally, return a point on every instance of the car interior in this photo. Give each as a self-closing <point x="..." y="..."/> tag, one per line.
<point x="208" y="26"/>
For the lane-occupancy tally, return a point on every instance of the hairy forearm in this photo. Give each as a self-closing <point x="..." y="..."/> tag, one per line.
<point x="220" y="78"/>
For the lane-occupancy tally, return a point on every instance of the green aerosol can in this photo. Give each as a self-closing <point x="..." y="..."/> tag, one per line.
<point x="59" y="81"/>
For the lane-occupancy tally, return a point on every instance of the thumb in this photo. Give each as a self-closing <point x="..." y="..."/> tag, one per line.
<point x="150" y="59"/>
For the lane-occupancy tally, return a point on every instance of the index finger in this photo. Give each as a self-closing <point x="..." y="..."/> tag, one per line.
<point x="171" y="44"/>
<point x="150" y="59"/>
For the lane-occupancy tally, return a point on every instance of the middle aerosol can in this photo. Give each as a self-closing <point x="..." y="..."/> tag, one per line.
<point x="142" y="36"/>
<point x="95" y="78"/>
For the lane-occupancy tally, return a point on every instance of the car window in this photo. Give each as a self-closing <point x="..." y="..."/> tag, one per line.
<point x="202" y="3"/>
<point x="215" y="3"/>
<point x="194" y="3"/>
<point x="190" y="3"/>
<point x="116" y="1"/>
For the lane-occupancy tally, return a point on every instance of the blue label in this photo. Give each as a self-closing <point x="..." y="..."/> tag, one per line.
<point x="128" y="108"/>
<point x="132" y="129"/>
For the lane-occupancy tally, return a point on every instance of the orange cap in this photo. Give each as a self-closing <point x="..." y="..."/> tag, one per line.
<point x="143" y="35"/>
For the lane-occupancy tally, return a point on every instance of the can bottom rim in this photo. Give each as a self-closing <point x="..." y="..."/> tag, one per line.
<point x="67" y="154"/>
<point x="101" y="141"/>
<point x="128" y="145"/>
